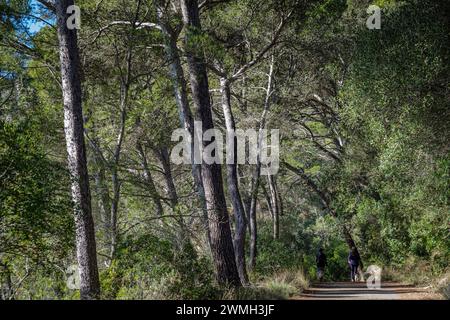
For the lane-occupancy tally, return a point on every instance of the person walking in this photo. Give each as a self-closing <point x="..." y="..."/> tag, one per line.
<point x="321" y="262"/>
<point x="353" y="261"/>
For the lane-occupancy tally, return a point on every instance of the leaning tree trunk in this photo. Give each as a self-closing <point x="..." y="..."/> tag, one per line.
<point x="76" y="150"/>
<point x="233" y="183"/>
<point x="221" y="241"/>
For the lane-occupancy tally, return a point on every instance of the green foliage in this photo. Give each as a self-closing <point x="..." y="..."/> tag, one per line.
<point x="397" y="123"/>
<point x="300" y="239"/>
<point x="329" y="9"/>
<point x="147" y="267"/>
<point x="36" y="225"/>
<point x="275" y="255"/>
<point x="34" y="201"/>
<point x="364" y="114"/>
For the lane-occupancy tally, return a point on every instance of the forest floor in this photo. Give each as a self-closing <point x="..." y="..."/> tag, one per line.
<point x="359" y="291"/>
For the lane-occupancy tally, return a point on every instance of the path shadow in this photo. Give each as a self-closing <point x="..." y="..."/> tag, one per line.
<point x="357" y="290"/>
<point x="352" y="285"/>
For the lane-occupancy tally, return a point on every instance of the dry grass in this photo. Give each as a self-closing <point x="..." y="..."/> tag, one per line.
<point x="280" y="286"/>
<point x="419" y="273"/>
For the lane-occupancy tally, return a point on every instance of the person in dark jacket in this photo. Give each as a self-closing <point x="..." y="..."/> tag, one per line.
<point x="353" y="262"/>
<point x="321" y="262"/>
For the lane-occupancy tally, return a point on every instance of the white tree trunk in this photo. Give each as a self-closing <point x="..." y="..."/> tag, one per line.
<point x="76" y="151"/>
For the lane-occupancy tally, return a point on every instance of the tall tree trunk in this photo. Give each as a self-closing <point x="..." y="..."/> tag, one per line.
<point x="280" y="201"/>
<point x="233" y="183"/>
<point x="125" y="82"/>
<point x="273" y="195"/>
<point x="221" y="241"/>
<point x="254" y="187"/>
<point x="257" y="172"/>
<point x="115" y="181"/>
<point x="176" y="74"/>
<point x="149" y="180"/>
<point x="76" y="150"/>
<point x="247" y="205"/>
<point x="114" y="210"/>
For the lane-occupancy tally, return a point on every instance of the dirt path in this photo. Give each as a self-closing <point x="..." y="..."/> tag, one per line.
<point x="359" y="291"/>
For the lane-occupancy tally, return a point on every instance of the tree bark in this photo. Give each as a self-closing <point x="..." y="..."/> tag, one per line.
<point x="252" y="216"/>
<point x="257" y="173"/>
<point x="273" y="195"/>
<point x="233" y="183"/>
<point x="76" y="150"/>
<point x="114" y="210"/>
<point x="221" y="241"/>
<point x="280" y="202"/>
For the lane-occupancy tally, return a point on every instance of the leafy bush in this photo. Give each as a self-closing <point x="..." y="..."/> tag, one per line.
<point x="148" y="267"/>
<point x="280" y="285"/>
